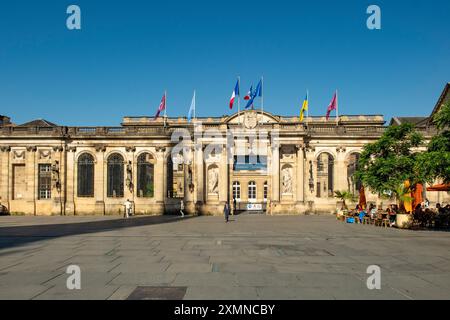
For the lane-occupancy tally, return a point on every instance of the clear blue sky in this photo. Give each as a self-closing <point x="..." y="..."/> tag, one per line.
<point x="129" y="52"/>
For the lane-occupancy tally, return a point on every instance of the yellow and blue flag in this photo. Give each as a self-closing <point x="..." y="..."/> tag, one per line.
<point x="304" y="107"/>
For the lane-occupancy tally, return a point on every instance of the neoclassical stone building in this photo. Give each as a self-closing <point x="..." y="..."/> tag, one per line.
<point x="267" y="163"/>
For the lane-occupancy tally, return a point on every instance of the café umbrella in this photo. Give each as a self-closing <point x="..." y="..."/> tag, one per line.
<point x="362" y="198"/>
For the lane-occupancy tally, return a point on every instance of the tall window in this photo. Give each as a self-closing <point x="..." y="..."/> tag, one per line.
<point x="266" y="190"/>
<point x="145" y="175"/>
<point x="236" y="190"/>
<point x="325" y="178"/>
<point x="45" y="181"/>
<point x="175" y="177"/>
<point x="252" y="191"/>
<point x="353" y="163"/>
<point x="115" y="175"/>
<point x="85" y="175"/>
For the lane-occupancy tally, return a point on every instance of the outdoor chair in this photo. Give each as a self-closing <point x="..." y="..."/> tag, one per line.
<point x="385" y="222"/>
<point x="367" y="220"/>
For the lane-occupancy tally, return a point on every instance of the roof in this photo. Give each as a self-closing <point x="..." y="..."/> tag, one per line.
<point x="445" y="97"/>
<point x="41" y="123"/>
<point x="417" y="121"/>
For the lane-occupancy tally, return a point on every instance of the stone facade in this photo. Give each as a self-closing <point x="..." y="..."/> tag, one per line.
<point x="56" y="170"/>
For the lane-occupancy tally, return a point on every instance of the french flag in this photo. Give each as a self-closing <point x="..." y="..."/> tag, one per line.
<point x="249" y="94"/>
<point x="234" y="94"/>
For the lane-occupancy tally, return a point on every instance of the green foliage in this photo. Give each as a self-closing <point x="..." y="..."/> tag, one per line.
<point x="442" y="118"/>
<point x="387" y="163"/>
<point x="435" y="163"/>
<point x="345" y="196"/>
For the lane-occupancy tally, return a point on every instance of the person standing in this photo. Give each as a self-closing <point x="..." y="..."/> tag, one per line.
<point x="128" y="206"/>
<point x="226" y="211"/>
<point x="182" y="208"/>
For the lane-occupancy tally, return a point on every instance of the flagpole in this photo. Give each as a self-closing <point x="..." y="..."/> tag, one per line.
<point x="337" y="108"/>
<point x="165" y="107"/>
<point x="239" y="99"/>
<point x="307" y="109"/>
<point x="262" y="99"/>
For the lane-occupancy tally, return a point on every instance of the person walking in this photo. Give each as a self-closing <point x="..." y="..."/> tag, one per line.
<point x="128" y="206"/>
<point x="182" y="208"/>
<point x="226" y="211"/>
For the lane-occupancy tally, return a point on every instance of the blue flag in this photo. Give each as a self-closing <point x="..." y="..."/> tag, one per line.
<point x="191" y="109"/>
<point x="254" y="94"/>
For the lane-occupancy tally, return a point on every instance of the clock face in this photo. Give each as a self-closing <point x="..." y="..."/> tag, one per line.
<point x="250" y="119"/>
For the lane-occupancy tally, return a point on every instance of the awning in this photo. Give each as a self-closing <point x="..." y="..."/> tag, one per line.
<point x="439" y="187"/>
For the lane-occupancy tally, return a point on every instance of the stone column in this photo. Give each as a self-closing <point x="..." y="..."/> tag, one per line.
<point x="71" y="169"/>
<point x="100" y="180"/>
<point x="199" y="173"/>
<point x="340" y="170"/>
<point x="223" y="176"/>
<point x="5" y="176"/>
<point x="159" y="175"/>
<point x="189" y="179"/>
<point x="300" y="174"/>
<point x="31" y="172"/>
<point x="275" y="172"/>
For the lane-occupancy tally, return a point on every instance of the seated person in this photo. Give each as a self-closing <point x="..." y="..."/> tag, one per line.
<point x="373" y="212"/>
<point x="392" y="215"/>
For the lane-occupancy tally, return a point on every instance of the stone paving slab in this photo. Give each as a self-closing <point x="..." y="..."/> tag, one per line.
<point x="255" y="257"/>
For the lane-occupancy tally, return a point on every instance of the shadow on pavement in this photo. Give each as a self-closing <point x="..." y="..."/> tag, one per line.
<point x="20" y="235"/>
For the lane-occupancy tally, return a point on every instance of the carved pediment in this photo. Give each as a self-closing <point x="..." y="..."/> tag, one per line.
<point x="251" y="118"/>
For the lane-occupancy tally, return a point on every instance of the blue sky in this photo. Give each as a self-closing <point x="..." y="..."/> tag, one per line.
<point x="129" y="52"/>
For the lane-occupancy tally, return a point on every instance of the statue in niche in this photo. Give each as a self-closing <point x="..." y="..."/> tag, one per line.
<point x="129" y="180"/>
<point x="287" y="180"/>
<point x="189" y="179"/>
<point x="213" y="180"/>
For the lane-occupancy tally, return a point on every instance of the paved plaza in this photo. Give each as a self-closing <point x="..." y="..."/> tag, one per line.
<point x="252" y="257"/>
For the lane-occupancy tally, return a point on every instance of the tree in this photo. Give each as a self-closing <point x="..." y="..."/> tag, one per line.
<point x="387" y="163"/>
<point x="344" y="195"/>
<point x="435" y="163"/>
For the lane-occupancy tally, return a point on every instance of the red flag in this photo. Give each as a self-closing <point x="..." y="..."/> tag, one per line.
<point x="162" y="106"/>
<point x="332" y="106"/>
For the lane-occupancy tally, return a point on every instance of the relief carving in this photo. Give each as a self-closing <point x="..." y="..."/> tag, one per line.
<point x="213" y="180"/>
<point x="287" y="180"/>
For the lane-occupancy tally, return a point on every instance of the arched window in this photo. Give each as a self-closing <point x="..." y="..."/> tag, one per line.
<point x="252" y="191"/>
<point x="354" y="185"/>
<point x="237" y="190"/>
<point x="325" y="177"/>
<point x="145" y="176"/>
<point x="115" y="175"/>
<point x="175" y="177"/>
<point x="85" y="178"/>
<point x="266" y="191"/>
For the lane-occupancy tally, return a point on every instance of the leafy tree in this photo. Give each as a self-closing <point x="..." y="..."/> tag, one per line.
<point x="435" y="163"/>
<point x="387" y="163"/>
<point x="344" y="196"/>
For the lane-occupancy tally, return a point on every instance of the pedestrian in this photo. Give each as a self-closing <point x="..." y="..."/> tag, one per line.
<point x="182" y="208"/>
<point x="128" y="206"/>
<point x="226" y="211"/>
